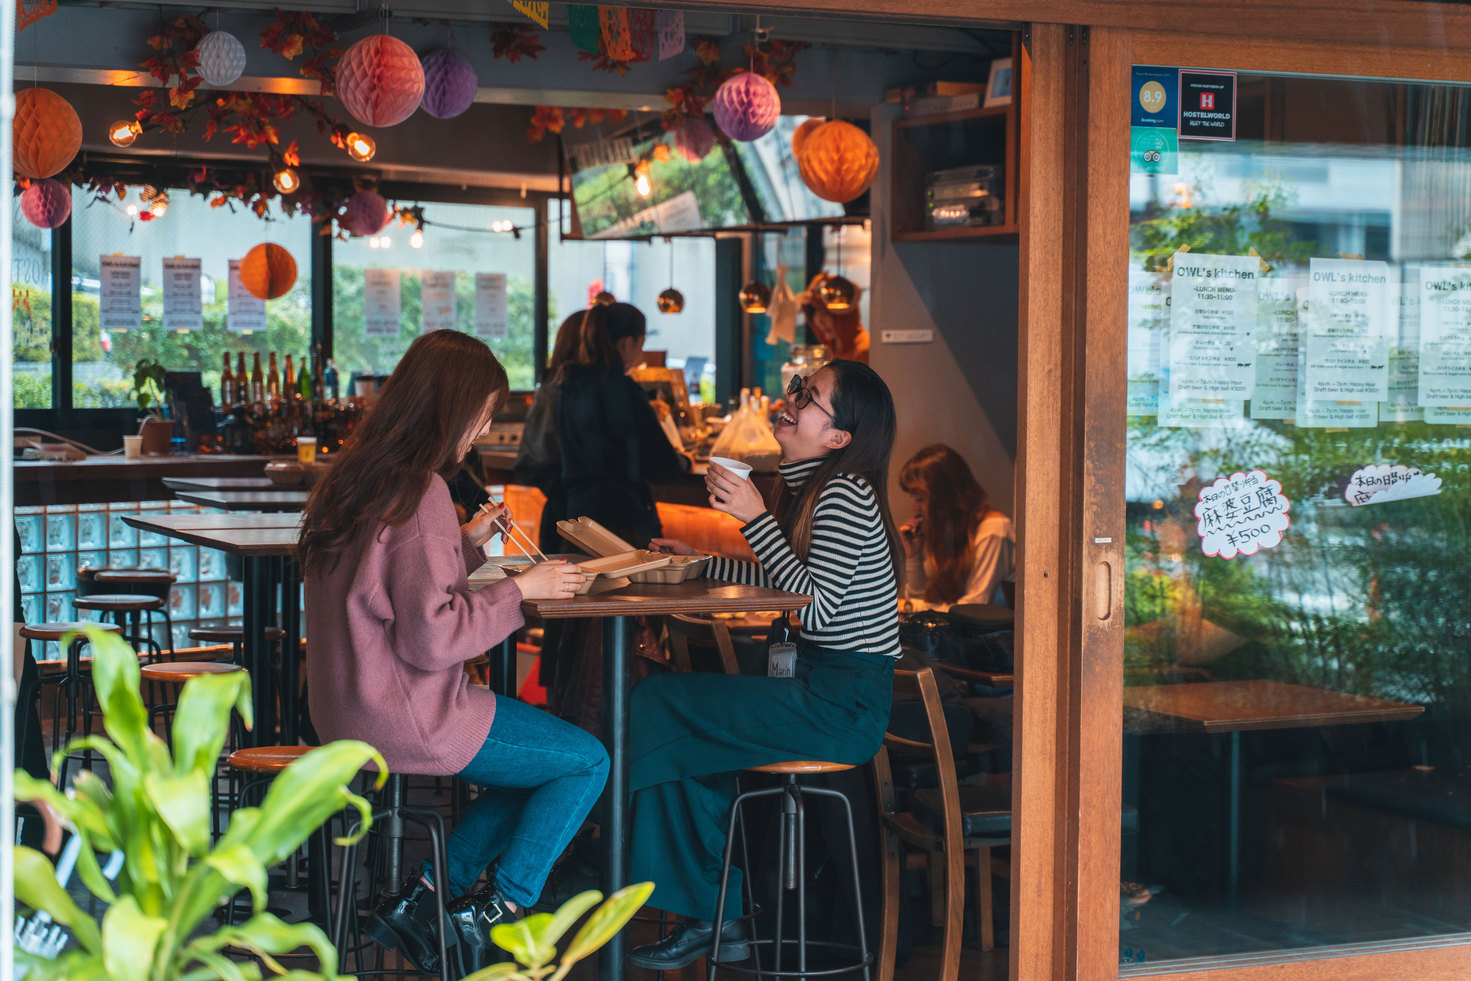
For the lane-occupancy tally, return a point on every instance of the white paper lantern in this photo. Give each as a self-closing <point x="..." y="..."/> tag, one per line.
<point x="221" y="58"/>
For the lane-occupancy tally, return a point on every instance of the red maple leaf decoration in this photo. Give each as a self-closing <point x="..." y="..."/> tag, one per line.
<point x="515" y="41"/>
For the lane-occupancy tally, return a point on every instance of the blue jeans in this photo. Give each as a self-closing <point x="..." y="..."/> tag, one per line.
<point x="539" y="777"/>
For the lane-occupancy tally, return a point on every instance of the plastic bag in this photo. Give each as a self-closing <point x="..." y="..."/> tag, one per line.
<point x="748" y="439"/>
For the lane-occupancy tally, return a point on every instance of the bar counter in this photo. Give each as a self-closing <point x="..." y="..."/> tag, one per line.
<point x="106" y="479"/>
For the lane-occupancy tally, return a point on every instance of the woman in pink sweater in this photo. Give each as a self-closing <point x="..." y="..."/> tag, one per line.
<point x="391" y="620"/>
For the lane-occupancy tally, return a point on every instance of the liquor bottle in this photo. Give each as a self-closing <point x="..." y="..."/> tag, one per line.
<point x="242" y="380"/>
<point x="227" y="385"/>
<point x="305" y="382"/>
<point x="319" y="391"/>
<point x="258" y="385"/>
<point x="288" y="380"/>
<point x="329" y="379"/>
<point x="273" y="381"/>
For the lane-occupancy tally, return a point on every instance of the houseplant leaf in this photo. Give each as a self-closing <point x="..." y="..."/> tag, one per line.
<point x="518" y="938"/>
<point x="36" y="887"/>
<point x="202" y="718"/>
<point x="183" y="803"/>
<point x="561" y="921"/>
<point x="129" y="940"/>
<point x="606" y="921"/>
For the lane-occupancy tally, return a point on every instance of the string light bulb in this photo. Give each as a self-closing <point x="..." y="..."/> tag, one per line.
<point x="384" y="241"/>
<point x="286" y="181"/>
<point x="361" y="147"/>
<point x="159" y="204"/>
<point x="416" y="240"/>
<point x="132" y="210"/>
<point x="641" y="179"/>
<point x="124" y="132"/>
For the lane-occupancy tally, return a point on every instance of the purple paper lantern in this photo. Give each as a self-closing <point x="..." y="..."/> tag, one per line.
<point x="449" y="84"/>
<point x="365" y="213"/>
<point x="46" y="203"/>
<point x="694" y="139"/>
<point x="746" y="107"/>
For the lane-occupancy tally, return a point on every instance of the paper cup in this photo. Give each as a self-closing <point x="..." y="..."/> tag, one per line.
<point x="133" y="447"/>
<point x="741" y="470"/>
<point x="306" y="449"/>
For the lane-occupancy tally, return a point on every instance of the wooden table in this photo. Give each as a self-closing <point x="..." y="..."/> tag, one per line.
<point x="617" y="609"/>
<point x="246" y="500"/>
<point x="265" y="543"/>
<point x="1234" y="707"/>
<point x="218" y="483"/>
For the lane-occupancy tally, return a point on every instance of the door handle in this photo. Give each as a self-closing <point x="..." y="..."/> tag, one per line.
<point x="1103" y="589"/>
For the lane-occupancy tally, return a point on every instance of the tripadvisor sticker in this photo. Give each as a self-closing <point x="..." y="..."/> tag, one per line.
<point x="1240" y="514"/>
<point x="1153" y="150"/>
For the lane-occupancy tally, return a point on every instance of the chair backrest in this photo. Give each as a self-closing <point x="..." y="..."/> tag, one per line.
<point x="711" y="632"/>
<point x="936" y="747"/>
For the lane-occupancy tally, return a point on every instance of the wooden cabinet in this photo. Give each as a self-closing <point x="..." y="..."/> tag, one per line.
<point x="922" y="144"/>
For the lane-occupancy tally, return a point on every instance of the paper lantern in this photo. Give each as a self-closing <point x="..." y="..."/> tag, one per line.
<point x="694" y="139"/>
<point x="799" y="138"/>
<point x="380" y="81"/>
<point x="838" y="161"/>
<point x="365" y="213"/>
<point x="746" y="107"/>
<point x="221" y="58"/>
<point x="47" y="133"/>
<point x="46" y="204"/>
<point x="671" y="301"/>
<point x="268" y="271"/>
<point x="449" y="84"/>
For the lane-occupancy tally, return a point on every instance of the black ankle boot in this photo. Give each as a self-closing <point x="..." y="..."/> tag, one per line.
<point x="406" y="921"/>
<point x="690" y="941"/>
<point x="470" y="920"/>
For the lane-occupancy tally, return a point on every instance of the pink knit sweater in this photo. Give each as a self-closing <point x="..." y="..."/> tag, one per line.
<point x="388" y="629"/>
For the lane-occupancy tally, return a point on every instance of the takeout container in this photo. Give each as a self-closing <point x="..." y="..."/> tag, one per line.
<point x="294" y="474"/>
<point x="594" y="539"/>
<point x="497" y="567"/>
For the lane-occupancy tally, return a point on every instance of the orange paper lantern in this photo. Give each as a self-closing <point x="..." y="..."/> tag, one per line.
<point x="838" y="161"/>
<point x="799" y="138"/>
<point x="268" y="271"/>
<point x="47" y="133"/>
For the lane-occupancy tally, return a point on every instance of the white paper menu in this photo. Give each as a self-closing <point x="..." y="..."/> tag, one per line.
<point x="1277" y="335"/>
<point x="382" y="303"/>
<point x="121" y="304"/>
<point x="1403" y="403"/>
<point x="1149" y="321"/>
<point x="183" y="307"/>
<point x="1345" y="336"/>
<point x="436" y="301"/>
<point x="245" y="312"/>
<point x="491" y="310"/>
<point x="1445" y="337"/>
<point x="1213" y="315"/>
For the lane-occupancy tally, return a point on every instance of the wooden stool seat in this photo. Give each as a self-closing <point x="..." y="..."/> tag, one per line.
<point x="229" y="635"/>
<point x="802" y="766"/>
<point x="266" y="759"/>
<point x="58" y="630"/>
<point x="178" y="672"/>
<point x="118" y="603"/>
<point x="135" y="577"/>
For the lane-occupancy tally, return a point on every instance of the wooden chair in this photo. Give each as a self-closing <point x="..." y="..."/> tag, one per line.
<point x="703" y="631"/>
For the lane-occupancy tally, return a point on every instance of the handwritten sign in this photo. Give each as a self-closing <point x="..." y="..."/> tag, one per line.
<point x="121" y="301"/>
<point x="246" y="312"/>
<point x="382" y="303"/>
<point x="1239" y="514"/>
<point x="491" y="320"/>
<point x="1213" y="301"/>
<point x="1389" y="482"/>
<point x="437" y="301"/>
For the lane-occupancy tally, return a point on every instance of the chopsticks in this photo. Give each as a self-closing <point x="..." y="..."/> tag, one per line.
<point x="519" y="537"/>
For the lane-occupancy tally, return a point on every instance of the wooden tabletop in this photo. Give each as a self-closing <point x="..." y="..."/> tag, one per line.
<point x="218" y="483"/>
<point x="246" y="500"/>
<point x="248" y="535"/>
<point x="1237" y="706"/>
<point x="695" y="596"/>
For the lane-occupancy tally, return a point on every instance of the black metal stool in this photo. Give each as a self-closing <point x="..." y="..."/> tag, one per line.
<point x="255" y="767"/>
<point x="73" y="678"/>
<point x="132" y="581"/>
<point x="235" y="637"/>
<point x="793" y="858"/>
<point x="177" y="673"/>
<point x="126" y="610"/>
<point x="389" y="818"/>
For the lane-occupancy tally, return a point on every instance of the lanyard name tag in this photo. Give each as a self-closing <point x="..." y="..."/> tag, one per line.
<point x="781" y="660"/>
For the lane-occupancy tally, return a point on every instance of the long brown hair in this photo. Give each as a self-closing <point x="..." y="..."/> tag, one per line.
<point x="439" y="391"/>
<point x="864" y="409"/>
<point x="957" y="505"/>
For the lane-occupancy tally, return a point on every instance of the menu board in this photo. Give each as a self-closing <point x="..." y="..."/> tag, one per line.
<point x="1213" y="318"/>
<point x="436" y="301"/>
<point x="1445" y="338"/>
<point x="1403" y="403"/>
<point x="1274" y="395"/>
<point x="245" y="312"/>
<point x="492" y="319"/>
<point x="1149" y="321"/>
<point x="183" y="307"/>
<point x="1345" y="341"/>
<point x="120" y="302"/>
<point x="382" y="303"/>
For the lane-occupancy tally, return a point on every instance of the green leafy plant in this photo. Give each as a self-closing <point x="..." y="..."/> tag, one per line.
<point x="157" y="812"/>
<point x="148" y="389"/>
<point x="533" y="941"/>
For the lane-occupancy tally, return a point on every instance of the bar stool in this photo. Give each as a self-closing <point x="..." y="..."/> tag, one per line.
<point x="143" y="582"/>
<point x="793" y="858"/>
<point x="75" y="675"/>
<point x="387" y="832"/>
<point x="234" y="636"/>
<point x="255" y="767"/>
<point x="126" y="610"/>
<point x="176" y="674"/>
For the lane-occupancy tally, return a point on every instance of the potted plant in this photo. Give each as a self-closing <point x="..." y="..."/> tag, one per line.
<point x="533" y="941"/>
<point x="157" y="814"/>
<point x="151" y="396"/>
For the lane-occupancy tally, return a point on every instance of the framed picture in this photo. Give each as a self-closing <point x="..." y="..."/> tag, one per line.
<point x="998" y="86"/>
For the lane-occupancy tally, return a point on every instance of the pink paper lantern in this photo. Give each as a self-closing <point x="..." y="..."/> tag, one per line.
<point x="380" y="81"/>
<point x="449" y="84"/>
<point x="46" y="204"/>
<point x="694" y="139"/>
<point x="365" y="213"/>
<point x="746" y="107"/>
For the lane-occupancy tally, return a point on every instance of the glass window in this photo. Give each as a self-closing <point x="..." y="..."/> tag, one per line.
<point x="483" y="286"/>
<point x="30" y="302"/>
<point x="1297" y="753"/>
<point x="185" y="226"/>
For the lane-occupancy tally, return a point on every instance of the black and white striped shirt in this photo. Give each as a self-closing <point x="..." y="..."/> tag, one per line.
<point x="855" y="605"/>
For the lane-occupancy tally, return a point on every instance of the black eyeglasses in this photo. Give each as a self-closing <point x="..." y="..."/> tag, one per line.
<point x="800" y="395"/>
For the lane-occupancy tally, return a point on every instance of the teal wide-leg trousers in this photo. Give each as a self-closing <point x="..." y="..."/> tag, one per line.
<point x="692" y="733"/>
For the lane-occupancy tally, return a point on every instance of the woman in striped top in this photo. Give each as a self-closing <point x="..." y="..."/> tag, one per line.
<point x="829" y="535"/>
